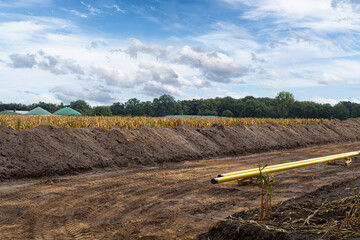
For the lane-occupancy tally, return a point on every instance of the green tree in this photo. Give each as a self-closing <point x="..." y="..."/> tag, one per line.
<point x="14" y="106"/>
<point x="356" y="110"/>
<point x="190" y="107"/>
<point x="132" y="107"/>
<point x="270" y="106"/>
<point x="81" y="106"/>
<point x="227" y="103"/>
<point x="227" y="113"/>
<point x="118" y="109"/>
<point x="254" y="108"/>
<point x="304" y="109"/>
<point x="165" y="105"/>
<point x="102" y="111"/>
<point x="324" y="111"/>
<point x="348" y="105"/>
<point x="183" y="109"/>
<point x="208" y="107"/>
<point x="340" y="111"/>
<point x="284" y="102"/>
<point x="146" y="109"/>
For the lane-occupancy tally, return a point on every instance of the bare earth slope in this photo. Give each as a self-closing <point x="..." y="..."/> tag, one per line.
<point x="46" y="151"/>
<point x="174" y="201"/>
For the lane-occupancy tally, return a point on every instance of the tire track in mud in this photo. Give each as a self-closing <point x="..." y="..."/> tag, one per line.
<point x="57" y="224"/>
<point x="48" y="220"/>
<point x="41" y="229"/>
<point x="168" y="202"/>
<point x="77" y="232"/>
<point x="47" y="228"/>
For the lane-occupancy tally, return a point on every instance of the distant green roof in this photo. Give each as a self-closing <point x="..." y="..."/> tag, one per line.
<point x="7" y="112"/>
<point x="38" y="111"/>
<point x="67" y="111"/>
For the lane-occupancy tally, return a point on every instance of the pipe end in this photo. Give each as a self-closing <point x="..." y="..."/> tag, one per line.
<point x="214" y="181"/>
<point x="220" y="175"/>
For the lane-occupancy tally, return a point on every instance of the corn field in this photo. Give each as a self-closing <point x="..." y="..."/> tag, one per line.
<point x="27" y="122"/>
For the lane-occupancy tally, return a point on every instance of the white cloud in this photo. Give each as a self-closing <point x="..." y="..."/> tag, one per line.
<point x="22" y="60"/>
<point x="76" y="13"/>
<point x="136" y="46"/>
<point x="219" y="92"/>
<point x="329" y="79"/>
<point x="45" y="97"/>
<point x="227" y="40"/>
<point x="23" y="3"/>
<point x="98" y="66"/>
<point x="20" y="30"/>
<point x="293" y="49"/>
<point x="54" y="64"/>
<point x="92" y="10"/>
<point x="347" y="69"/>
<point x="201" y="83"/>
<point x="118" y="9"/>
<point x="97" y="44"/>
<point x="95" y="94"/>
<point x="334" y="101"/>
<point x="145" y="76"/>
<point x="289" y="9"/>
<point x="155" y="89"/>
<point x="256" y="58"/>
<point x="29" y="32"/>
<point x="215" y="66"/>
<point x="321" y="15"/>
<point x="162" y="74"/>
<point x="114" y="77"/>
<point x="324" y="100"/>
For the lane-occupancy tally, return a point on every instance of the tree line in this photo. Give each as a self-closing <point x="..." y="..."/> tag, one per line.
<point x="283" y="105"/>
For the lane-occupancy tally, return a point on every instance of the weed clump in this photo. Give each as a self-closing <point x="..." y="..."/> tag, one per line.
<point x="266" y="181"/>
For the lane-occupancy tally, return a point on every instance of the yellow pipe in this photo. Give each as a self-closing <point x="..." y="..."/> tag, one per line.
<point x="283" y="164"/>
<point x="271" y="169"/>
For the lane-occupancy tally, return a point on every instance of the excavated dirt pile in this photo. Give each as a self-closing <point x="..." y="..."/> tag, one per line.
<point x="45" y="150"/>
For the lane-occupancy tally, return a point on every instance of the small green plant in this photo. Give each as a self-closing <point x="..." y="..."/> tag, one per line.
<point x="266" y="181"/>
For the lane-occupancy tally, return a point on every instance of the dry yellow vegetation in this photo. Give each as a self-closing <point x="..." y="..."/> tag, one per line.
<point x="19" y="122"/>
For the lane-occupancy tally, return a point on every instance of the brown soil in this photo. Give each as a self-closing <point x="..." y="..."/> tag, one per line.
<point x="48" y="151"/>
<point x="172" y="201"/>
<point x="320" y="214"/>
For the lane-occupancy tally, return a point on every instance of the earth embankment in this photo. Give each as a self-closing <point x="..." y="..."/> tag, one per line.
<point x="46" y="151"/>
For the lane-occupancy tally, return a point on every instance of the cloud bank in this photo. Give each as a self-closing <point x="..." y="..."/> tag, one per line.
<point x="260" y="48"/>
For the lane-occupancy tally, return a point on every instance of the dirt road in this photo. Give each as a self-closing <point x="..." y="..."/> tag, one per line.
<point x="174" y="201"/>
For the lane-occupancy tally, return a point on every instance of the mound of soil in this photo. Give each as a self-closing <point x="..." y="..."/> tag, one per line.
<point x="331" y="212"/>
<point x="45" y="150"/>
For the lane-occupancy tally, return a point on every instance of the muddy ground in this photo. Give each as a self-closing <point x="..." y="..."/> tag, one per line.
<point x="169" y="201"/>
<point x="330" y="212"/>
<point x="48" y="151"/>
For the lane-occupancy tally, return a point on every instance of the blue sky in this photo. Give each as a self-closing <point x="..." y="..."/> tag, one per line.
<point x="110" y="51"/>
